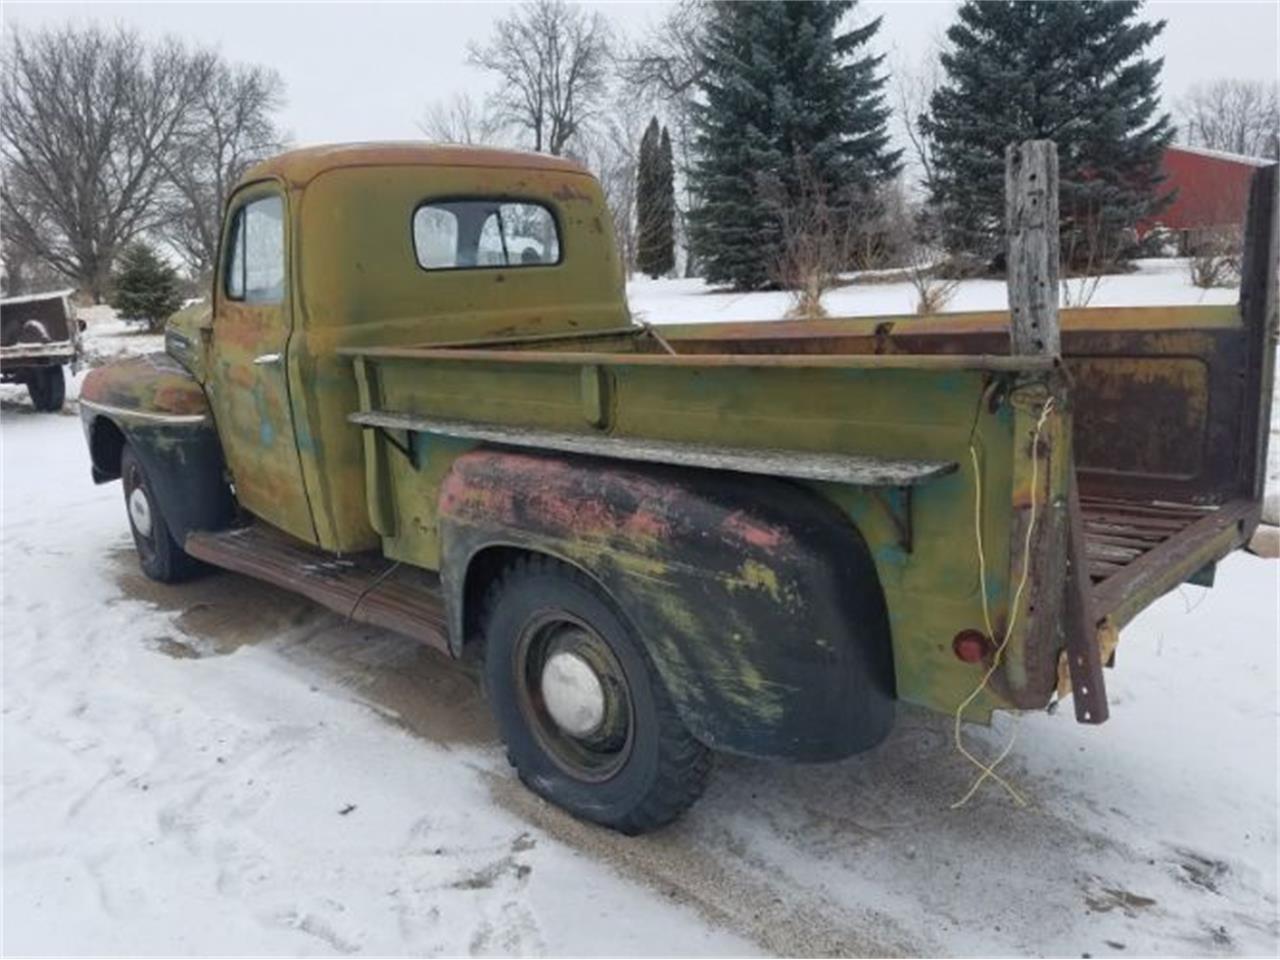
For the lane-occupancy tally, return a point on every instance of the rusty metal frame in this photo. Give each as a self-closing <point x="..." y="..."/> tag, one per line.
<point x="1079" y="621"/>
<point x="1258" y="309"/>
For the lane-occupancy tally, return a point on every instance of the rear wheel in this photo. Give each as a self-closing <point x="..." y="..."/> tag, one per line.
<point x="159" y="555"/>
<point x="586" y="718"/>
<point x="48" y="389"/>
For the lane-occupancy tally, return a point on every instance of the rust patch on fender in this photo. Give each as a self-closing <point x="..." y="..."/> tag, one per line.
<point x="154" y="383"/>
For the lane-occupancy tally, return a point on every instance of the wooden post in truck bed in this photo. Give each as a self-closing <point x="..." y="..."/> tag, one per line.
<point x="1031" y="218"/>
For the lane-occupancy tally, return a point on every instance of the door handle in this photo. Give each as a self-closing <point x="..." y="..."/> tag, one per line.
<point x="267" y="360"/>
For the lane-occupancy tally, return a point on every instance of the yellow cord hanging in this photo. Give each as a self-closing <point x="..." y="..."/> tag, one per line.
<point x="989" y="769"/>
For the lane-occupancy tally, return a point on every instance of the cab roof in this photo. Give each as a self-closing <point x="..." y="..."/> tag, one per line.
<point x="303" y="165"/>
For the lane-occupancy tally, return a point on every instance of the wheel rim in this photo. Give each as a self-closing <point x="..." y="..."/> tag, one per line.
<point x="574" y="696"/>
<point x="138" y="504"/>
<point x="140" y="512"/>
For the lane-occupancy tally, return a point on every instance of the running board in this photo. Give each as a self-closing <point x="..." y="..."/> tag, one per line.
<point x="363" y="587"/>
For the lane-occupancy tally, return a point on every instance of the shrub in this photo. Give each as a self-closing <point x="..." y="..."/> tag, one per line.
<point x="146" y="288"/>
<point x="1215" y="258"/>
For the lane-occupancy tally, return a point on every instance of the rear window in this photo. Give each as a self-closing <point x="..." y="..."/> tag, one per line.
<point x="466" y="234"/>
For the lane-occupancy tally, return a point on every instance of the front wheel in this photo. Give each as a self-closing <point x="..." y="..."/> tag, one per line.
<point x="48" y="389"/>
<point x="159" y="555"/>
<point x="586" y="718"/>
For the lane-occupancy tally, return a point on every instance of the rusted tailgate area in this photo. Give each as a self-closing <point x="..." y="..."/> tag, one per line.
<point x="1138" y="551"/>
<point x="1119" y="532"/>
<point x="1171" y="437"/>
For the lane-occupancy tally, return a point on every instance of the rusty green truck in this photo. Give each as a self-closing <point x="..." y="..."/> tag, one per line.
<point x="418" y="397"/>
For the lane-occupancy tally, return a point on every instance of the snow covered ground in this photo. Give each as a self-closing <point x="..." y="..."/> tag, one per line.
<point x="1155" y="283"/>
<point x="222" y="768"/>
<point x="107" y="336"/>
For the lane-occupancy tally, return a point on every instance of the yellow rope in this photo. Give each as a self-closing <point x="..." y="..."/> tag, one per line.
<point x="989" y="769"/>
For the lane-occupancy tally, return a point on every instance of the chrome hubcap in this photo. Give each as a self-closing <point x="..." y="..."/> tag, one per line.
<point x="573" y="694"/>
<point x="140" y="511"/>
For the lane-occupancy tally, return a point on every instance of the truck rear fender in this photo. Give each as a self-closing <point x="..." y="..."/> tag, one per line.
<point x="152" y="403"/>
<point x="756" y="598"/>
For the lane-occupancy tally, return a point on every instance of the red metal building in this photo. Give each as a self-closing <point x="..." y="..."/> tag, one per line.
<point x="1212" y="191"/>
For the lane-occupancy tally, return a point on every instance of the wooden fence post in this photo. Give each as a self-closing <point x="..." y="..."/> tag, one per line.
<point x="1031" y="218"/>
<point x="1031" y="222"/>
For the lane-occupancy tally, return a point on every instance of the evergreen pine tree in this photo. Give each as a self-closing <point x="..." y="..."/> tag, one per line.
<point x="146" y="288"/>
<point x="1071" y="72"/>
<point x="665" y="261"/>
<point x="783" y="88"/>
<point x="648" y="212"/>
<point x="655" y="203"/>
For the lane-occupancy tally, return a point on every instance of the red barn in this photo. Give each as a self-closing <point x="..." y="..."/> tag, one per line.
<point x="1212" y="191"/>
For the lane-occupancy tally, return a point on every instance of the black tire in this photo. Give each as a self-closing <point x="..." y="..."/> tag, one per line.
<point x="159" y="555"/>
<point x="640" y="768"/>
<point x="48" y="389"/>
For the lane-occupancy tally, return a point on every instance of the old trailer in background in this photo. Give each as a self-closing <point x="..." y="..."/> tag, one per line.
<point x="39" y="335"/>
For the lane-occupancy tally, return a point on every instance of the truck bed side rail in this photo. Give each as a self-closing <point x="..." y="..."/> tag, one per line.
<point x="837" y="468"/>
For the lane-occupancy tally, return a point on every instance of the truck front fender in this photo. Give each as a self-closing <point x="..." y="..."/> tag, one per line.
<point x="756" y="598"/>
<point x="155" y="405"/>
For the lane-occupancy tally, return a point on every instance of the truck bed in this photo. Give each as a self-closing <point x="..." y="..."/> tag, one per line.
<point x="1166" y="430"/>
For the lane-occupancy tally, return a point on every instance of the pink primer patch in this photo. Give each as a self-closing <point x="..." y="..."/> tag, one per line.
<point x="756" y="534"/>
<point x="646" y="523"/>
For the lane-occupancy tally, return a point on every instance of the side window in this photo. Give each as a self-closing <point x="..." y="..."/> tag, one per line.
<point x="461" y="234"/>
<point x="235" y="258"/>
<point x="255" y="255"/>
<point x="435" y="235"/>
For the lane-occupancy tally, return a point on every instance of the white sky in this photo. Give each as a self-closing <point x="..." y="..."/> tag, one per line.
<point x="367" y="71"/>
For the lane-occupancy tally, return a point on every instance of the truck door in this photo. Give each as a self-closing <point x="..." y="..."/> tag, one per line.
<point x="248" y="362"/>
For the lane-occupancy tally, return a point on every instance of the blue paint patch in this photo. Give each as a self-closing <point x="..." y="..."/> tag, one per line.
<point x="266" y="429"/>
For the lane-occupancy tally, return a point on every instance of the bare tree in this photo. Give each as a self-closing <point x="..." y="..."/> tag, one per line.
<point x="24" y="271"/>
<point x="230" y="128"/>
<point x="1091" y="243"/>
<point x="662" y="70"/>
<point x="87" y="117"/>
<point x="818" y="234"/>
<point x="1239" y="116"/>
<point x="611" y="150"/>
<point x="666" y="63"/>
<point x="461" y="119"/>
<point x="913" y="88"/>
<point x="553" y="60"/>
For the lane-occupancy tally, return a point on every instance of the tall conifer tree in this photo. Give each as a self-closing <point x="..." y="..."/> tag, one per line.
<point x="785" y="87"/>
<point x="1076" y="73"/>
<point x="666" y="239"/>
<point x="655" y="203"/>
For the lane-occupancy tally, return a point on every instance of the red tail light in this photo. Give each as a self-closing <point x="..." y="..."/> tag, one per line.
<point x="971" y="645"/>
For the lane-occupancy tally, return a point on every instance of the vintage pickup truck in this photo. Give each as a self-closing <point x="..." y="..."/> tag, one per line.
<point x="419" y="398"/>
<point x="39" y="334"/>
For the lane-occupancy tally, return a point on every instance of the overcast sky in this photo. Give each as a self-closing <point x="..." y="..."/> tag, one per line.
<point x="367" y="71"/>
